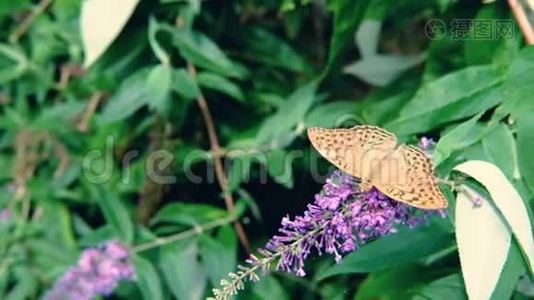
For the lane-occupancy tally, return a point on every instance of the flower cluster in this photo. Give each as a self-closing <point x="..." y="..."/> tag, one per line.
<point x="342" y="218"/>
<point x="97" y="272"/>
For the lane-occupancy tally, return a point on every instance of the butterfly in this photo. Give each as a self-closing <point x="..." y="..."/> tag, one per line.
<point x="404" y="173"/>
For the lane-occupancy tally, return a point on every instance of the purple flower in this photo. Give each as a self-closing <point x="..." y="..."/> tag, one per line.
<point x="340" y="220"/>
<point x="426" y="143"/>
<point x="97" y="272"/>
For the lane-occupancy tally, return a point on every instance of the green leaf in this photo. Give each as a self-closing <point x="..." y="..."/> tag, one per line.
<point x="184" y="84"/>
<point x="280" y="167"/>
<point x="147" y="279"/>
<point x="500" y="147"/>
<point x="13" y="63"/>
<point x="203" y="52"/>
<point x="440" y="98"/>
<point x="188" y="214"/>
<point x="347" y="17"/>
<point x="182" y="271"/>
<point x="273" y="51"/>
<point x="513" y="270"/>
<point x="220" y="84"/>
<point x="391" y="250"/>
<point x="525" y="144"/>
<point x="114" y="212"/>
<point x="333" y="114"/>
<point x="219" y="254"/>
<point x="461" y="109"/>
<point x="381" y="70"/>
<point x="518" y="85"/>
<point x="483" y="243"/>
<point x="394" y="283"/>
<point x="101" y="22"/>
<point x="507" y="200"/>
<point x="449" y="287"/>
<point x="131" y="96"/>
<point x="158" y="85"/>
<point x="269" y="288"/>
<point x="277" y="129"/>
<point x="451" y="141"/>
<point x="161" y="54"/>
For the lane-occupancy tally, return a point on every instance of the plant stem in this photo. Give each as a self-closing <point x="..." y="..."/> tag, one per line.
<point x="183" y="235"/>
<point x="217" y="162"/>
<point x="28" y="21"/>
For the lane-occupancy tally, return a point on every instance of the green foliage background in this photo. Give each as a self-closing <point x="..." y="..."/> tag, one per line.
<point x="268" y="70"/>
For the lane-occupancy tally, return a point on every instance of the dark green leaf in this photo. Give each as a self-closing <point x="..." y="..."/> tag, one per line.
<point x="202" y="51"/>
<point x="188" y="214"/>
<point x="391" y="250"/>
<point x="449" y="287"/>
<point x="220" y="84"/>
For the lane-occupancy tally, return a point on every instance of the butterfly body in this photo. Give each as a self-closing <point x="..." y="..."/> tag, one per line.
<point x="404" y="173"/>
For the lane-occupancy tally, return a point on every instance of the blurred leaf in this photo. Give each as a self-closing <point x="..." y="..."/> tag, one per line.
<point x="280" y="167"/>
<point x="269" y="288"/>
<point x="219" y="254"/>
<point x="507" y="200"/>
<point x="276" y="130"/>
<point x="273" y="51"/>
<point x="518" y="85"/>
<point x="158" y="85"/>
<point x="182" y="272"/>
<point x="184" y="84"/>
<point x="158" y="50"/>
<point x="115" y="213"/>
<point x="380" y="70"/>
<point x="500" y="147"/>
<point x="347" y="16"/>
<point x="513" y="270"/>
<point x="525" y="144"/>
<point x="334" y="114"/>
<point x="13" y="63"/>
<point x="147" y="279"/>
<point x="483" y="244"/>
<point x="449" y="287"/>
<point x="394" y="283"/>
<point x="442" y="93"/>
<point x="368" y="36"/>
<point x="202" y="51"/>
<point x="391" y="250"/>
<point x="449" y="142"/>
<point x="188" y="214"/>
<point x="101" y="22"/>
<point x="131" y="96"/>
<point x="220" y="84"/>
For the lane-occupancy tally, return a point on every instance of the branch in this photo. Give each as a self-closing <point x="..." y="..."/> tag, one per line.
<point x="219" y="169"/>
<point x="522" y="20"/>
<point x="28" y="21"/>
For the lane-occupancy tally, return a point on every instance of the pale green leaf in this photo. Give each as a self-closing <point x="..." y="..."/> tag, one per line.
<point x="483" y="244"/>
<point x="506" y="199"/>
<point x="101" y="22"/>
